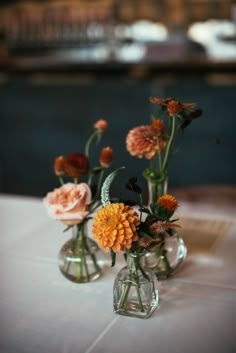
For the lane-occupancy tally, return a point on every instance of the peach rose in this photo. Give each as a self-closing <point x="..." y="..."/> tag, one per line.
<point x="69" y="203"/>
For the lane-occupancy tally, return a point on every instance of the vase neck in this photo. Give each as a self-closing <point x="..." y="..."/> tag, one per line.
<point x="82" y="240"/>
<point x="134" y="260"/>
<point x="156" y="189"/>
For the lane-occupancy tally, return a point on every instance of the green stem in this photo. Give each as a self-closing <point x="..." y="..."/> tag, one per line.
<point x="97" y="195"/>
<point x="67" y="267"/>
<point x="90" y="139"/>
<point x="161" y="254"/>
<point x="159" y="154"/>
<point x="93" y="257"/>
<point x="139" y="295"/>
<point x="125" y="294"/>
<point x="90" y="177"/>
<point x="133" y="265"/>
<point x="93" y="207"/>
<point x="137" y="284"/>
<point x="154" y="193"/>
<point x="77" y="242"/>
<point x="61" y="181"/>
<point x="99" y="184"/>
<point x="83" y="248"/>
<point x="166" y="262"/>
<point x="169" y="144"/>
<point x="79" y="270"/>
<point x="141" y="204"/>
<point x="73" y="248"/>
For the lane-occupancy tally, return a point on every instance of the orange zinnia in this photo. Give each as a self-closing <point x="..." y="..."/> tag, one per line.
<point x="175" y="107"/>
<point x="169" y="202"/>
<point x="114" y="226"/>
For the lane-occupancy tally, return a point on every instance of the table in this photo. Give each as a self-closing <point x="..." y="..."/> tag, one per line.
<point x="43" y="312"/>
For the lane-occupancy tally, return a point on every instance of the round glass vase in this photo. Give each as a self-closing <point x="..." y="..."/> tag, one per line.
<point x="135" y="290"/>
<point x="167" y="259"/>
<point x="80" y="258"/>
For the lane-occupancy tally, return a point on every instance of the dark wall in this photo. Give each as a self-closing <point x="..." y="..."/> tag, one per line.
<point x="41" y="121"/>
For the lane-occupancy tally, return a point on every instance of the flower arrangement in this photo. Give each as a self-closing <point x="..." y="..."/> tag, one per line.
<point x="75" y="200"/>
<point x="120" y="227"/>
<point x="155" y="141"/>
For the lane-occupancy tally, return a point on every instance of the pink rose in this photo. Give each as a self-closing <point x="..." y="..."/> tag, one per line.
<point x="69" y="203"/>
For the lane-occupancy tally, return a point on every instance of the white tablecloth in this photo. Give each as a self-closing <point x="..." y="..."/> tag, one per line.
<point x="42" y="312"/>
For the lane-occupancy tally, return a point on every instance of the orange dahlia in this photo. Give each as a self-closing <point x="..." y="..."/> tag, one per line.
<point x="169" y="202"/>
<point x="114" y="226"/>
<point x="139" y="143"/>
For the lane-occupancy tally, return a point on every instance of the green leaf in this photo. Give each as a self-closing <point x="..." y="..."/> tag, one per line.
<point x="105" y="197"/>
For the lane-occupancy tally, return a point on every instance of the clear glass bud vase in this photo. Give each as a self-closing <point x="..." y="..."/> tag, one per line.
<point x="167" y="259"/>
<point x="80" y="258"/>
<point x="156" y="189"/>
<point x="135" y="291"/>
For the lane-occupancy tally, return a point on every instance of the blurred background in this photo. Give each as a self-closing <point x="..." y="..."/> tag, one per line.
<point x="66" y="64"/>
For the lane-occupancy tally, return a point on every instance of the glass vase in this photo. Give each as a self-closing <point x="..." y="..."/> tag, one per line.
<point x="167" y="259"/>
<point x="80" y="258"/>
<point x="135" y="291"/>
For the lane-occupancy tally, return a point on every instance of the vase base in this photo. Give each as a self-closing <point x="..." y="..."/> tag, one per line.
<point x="82" y="265"/>
<point x="133" y="309"/>
<point x="168" y="265"/>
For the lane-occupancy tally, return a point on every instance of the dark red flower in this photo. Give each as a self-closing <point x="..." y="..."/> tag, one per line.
<point x="76" y="165"/>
